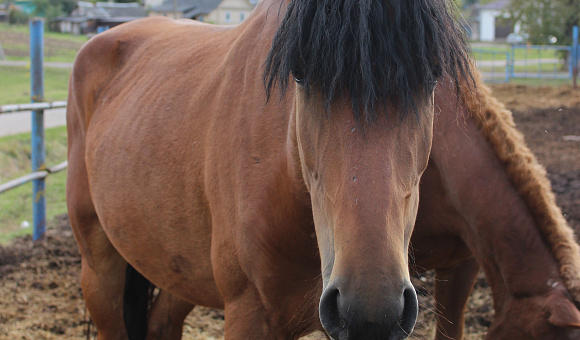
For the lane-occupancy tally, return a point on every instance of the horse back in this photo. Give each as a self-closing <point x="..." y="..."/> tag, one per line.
<point x="106" y="60"/>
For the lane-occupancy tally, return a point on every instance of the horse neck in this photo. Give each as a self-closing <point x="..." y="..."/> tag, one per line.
<point x="499" y="230"/>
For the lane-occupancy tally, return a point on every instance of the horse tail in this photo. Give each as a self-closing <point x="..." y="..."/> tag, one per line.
<point x="136" y="300"/>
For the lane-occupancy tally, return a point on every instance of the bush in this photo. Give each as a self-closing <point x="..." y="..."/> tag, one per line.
<point x="17" y="17"/>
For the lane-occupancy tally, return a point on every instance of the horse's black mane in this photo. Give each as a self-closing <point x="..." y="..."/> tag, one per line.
<point x="378" y="51"/>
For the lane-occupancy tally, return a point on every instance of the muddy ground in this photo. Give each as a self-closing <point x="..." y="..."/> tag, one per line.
<point x="40" y="295"/>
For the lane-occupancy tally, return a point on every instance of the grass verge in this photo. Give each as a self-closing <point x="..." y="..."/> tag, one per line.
<point x="58" y="47"/>
<point x="15" y="84"/>
<point x="16" y="204"/>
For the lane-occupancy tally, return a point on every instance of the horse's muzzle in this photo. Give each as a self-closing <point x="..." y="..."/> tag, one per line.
<point x="345" y="316"/>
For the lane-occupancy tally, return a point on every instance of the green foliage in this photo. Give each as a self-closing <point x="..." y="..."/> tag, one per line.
<point x="68" y="6"/>
<point x="466" y="3"/>
<point x="51" y="9"/>
<point x="17" y="17"/>
<point x="47" y="8"/>
<point x="544" y="19"/>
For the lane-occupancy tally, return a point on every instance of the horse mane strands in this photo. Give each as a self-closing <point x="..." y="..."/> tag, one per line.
<point x="378" y="52"/>
<point x="529" y="178"/>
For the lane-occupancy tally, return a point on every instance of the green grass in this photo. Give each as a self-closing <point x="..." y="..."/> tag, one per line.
<point x="540" y="82"/>
<point x="53" y="35"/>
<point x="519" y="53"/>
<point x="58" y="47"/>
<point x="544" y="68"/>
<point x="15" y="84"/>
<point x="530" y="69"/>
<point x="16" y="204"/>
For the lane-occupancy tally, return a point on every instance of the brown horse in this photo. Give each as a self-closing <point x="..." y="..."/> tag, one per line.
<point x="292" y="214"/>
<point x="486" y="200"/>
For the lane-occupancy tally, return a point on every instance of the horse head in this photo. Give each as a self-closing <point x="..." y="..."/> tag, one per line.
<point x="364" y="193"/>
<point x="549" y="316"/>
<point x="364" y="74"/>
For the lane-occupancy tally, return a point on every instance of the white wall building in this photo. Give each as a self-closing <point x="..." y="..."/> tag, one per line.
<point x="488" y="16"/>
<point x="221" y="12"/>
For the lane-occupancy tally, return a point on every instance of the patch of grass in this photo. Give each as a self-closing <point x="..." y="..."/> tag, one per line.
<point x="58" y="47"/>
<point x="486" y="53"/>
<point x="15" y="84"/>
<point x="532" y="69"/>
<point x="6" y="27"/>
<point x="544" y="68"/>
<point x="540" y="82"/>
<point x="498" y="77"/>
<point x="16" y="204"/>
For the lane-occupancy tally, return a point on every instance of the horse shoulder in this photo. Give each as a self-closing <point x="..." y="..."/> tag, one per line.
<point x="97" y="62"/>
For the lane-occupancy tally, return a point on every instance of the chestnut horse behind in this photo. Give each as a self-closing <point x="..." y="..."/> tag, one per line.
<point x="485" y="200"/>
<point x="292" y="214"/>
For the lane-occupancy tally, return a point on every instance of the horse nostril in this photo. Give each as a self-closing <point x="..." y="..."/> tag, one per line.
<point x="409" y="315"/>
<point x="329" y="313"/>
<point x="391" y="316"/>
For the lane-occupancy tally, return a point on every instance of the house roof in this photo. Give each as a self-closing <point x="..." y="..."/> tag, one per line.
<point x="88" y="9"/>
<point x="131" y="9"/>
<point x="109" y="10"/>
<point x="496" y="5"/>
<point x="190" y="8"/>
<point x="105" y="12"/>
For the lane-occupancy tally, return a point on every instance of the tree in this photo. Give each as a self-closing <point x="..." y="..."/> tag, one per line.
<point x="16" y="16"/>
<point x="51" y="9"/>
<point x="543" y="20"/>
<point x="47" y="8"/>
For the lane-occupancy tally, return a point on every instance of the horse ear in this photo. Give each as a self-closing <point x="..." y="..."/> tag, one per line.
<point x="563" y="313"/>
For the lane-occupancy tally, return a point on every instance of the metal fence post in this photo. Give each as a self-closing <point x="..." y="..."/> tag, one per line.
<point x="38" y="148"/>
<point x="574" y="58"/>
<point x="512" y="61"/>
<point x="507" y="67"/>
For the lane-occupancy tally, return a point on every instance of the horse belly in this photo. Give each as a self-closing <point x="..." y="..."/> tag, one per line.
<point x="148" y="194"/>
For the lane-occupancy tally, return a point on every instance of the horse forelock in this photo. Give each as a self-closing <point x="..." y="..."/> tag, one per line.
<point x="378" y="52"/>
<point x="529" y="178"/>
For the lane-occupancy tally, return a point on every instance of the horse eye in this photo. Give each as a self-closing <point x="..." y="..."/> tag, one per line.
<point x="298" y="72"/>
<point x="298" y="77"/>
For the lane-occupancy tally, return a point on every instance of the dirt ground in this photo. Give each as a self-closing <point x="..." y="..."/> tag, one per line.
<point x="40" y="295"/>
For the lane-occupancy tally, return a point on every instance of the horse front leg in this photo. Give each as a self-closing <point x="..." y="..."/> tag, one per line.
<point x="103" y="268"/>
<point x="247" y="318"/>
<point x="453" y="285"/>
<point x="167" y="316"/>
<point x="102" y="282"/>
